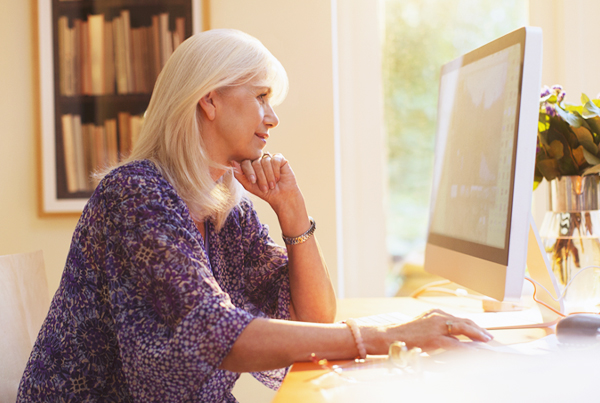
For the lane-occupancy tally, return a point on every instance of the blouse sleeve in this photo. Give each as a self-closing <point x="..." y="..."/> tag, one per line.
<point x="265" y="267"/>
<point x="267" y="279"/>
<point x="174" y="323"/>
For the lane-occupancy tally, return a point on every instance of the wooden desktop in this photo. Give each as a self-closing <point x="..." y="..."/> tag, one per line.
<point x="297" y="386"/>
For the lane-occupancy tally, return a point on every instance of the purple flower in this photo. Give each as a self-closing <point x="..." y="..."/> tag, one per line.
<point x="561" y="96"/>
<point x="545" y="92"/>
<point x="557" y="88"/>
<point x="550" y="110"/>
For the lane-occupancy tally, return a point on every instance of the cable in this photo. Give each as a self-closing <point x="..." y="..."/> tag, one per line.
<point x="542" y="302"/>
<point x="529" y="326"/>
<point x="593" y="266"/>
<point x="426" y="287"/>
<point x="562" y="295"/>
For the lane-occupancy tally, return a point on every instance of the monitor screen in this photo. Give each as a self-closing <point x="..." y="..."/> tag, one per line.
<point x="484" y="161"/>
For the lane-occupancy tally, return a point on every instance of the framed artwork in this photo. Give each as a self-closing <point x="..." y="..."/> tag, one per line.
<point x="98" y="61"/>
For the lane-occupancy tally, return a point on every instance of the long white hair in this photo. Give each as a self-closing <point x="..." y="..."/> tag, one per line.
<point x="171" y="133"/>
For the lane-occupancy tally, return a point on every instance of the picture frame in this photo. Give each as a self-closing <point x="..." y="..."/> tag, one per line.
<point x="89" y="107"/>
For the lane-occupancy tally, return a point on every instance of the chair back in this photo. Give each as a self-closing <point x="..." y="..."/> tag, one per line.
<point x="24" y="303"/>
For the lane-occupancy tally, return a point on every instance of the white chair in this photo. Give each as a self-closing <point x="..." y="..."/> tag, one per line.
<point x="24" y="303"/>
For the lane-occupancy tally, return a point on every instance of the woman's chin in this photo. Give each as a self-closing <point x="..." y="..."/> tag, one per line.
<point x="249" y="157"/>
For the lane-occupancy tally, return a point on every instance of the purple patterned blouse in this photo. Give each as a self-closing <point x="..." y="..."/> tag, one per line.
<point x="144" y="311"/>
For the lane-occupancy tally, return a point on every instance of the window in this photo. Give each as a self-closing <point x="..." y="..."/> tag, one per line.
<point x="420" y="36"/>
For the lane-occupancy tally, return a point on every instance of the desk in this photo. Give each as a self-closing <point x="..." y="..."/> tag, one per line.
<point x="518" y="376"/>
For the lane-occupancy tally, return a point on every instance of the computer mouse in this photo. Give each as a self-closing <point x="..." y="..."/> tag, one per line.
<point x="579" y="329"/>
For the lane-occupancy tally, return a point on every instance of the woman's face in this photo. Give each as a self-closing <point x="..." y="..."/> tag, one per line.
<point x="243" y="118"/>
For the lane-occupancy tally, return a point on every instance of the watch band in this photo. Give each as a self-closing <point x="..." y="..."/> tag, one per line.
<point x="301" y="238"/>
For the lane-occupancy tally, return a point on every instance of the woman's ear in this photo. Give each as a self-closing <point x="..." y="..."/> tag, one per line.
<point x="208" y="106"/>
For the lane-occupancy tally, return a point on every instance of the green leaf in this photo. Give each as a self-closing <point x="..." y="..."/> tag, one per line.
<point x="549" y="98"/>
<point x="591" y="158"/>
<point x="584" y="99"/>
<point x="585" y="139"/>
<point x="590" y="110"/>
<point x="543" y="121"/>
<point x="545" y="137"/>
<point x="549" y="168"/>
<point x="568" y="117"/>
<point x="537" y="178"/>
<point x="579" y="157"/>
<point x="576" y="109"/>
<point x="560" y="130"/>
<point x="592" y="170"/>
<point x="569" y="163"/>
<point x="556" y="149"/>
<point x="594" y="125"/>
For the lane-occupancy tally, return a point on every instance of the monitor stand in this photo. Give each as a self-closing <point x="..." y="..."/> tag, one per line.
<point x="540" y="270"/>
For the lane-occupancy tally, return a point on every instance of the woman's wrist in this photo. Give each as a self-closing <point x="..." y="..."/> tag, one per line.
<point x="375" y="340"/>
<point x="357" y="335"/>
<point x="292" y="215"/>
<point x="296" y="240"/>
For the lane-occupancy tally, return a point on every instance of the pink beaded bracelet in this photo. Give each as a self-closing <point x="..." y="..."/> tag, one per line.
<point x="362" y="351"/>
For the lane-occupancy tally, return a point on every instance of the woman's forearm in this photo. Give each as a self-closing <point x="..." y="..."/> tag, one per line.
<point x="313" y="297"/>
<point x="268" y="344"/>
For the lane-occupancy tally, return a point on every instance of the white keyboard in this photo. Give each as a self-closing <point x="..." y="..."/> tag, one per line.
<point x="383" y="319"/>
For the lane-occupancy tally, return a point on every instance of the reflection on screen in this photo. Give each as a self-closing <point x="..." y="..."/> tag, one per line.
<point x="476" y="132"/>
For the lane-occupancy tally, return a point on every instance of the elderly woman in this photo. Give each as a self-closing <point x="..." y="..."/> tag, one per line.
<point x="172" y="286"/>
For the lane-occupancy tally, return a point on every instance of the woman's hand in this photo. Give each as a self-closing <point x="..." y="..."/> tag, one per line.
<point x="270" y="177"/>
<point x="430" y="331"/>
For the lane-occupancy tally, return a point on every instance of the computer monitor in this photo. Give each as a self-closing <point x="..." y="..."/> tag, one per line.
<point x="484" y="163"/>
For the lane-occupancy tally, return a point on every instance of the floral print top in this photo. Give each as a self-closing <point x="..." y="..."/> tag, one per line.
<point x="144" y="311"/>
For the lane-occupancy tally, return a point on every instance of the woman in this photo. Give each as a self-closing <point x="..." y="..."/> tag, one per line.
<point x="172" y="286"/>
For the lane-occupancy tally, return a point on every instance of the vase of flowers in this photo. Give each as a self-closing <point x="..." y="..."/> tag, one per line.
<point x="568" y="157"/>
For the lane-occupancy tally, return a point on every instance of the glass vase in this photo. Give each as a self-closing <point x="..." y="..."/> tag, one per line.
<point x="571" y="236"/>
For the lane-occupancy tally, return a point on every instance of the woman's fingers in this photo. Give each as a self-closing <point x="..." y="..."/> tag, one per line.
<point x="248" y="171"/>
<point x="454" y="326"/>
<point x="278" y="162"/>
<point x="264" y="172"/>
<point x="437" y="329"/>
<point x="468" y="328"/>
<point x="264" y="169"/>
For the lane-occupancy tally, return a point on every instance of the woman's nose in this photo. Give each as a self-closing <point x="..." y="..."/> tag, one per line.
<point x="271" y="119"/>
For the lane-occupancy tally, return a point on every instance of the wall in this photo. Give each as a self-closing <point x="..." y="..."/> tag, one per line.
<point x="22" y="230"/>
